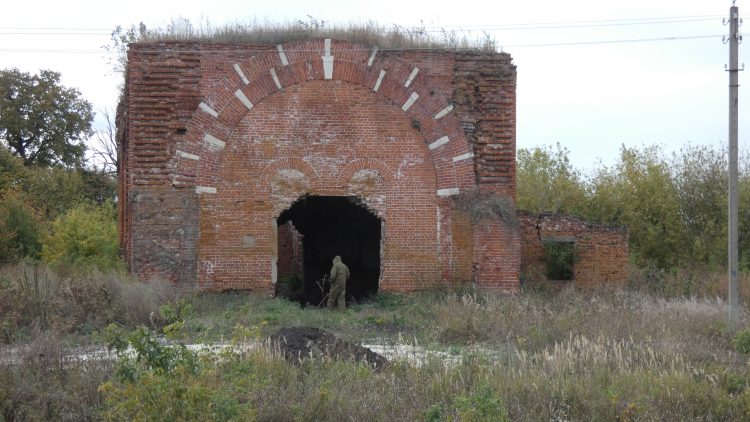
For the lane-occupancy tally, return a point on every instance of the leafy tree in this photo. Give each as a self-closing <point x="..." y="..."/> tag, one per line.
<point x="605" y="202"/>
<point x="13" y="174"/>
<point x="744" y="215"/>
<point x="648" y="196"/>
<point x="51" y="191"/>
<point x="548" y="182"/>
<point x="20" y="229"/>
<point x="41" y="121"/>
<point x="700" y="175"/>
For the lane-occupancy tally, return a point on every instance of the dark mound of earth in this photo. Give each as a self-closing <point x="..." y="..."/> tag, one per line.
<point x="297" y="343"/>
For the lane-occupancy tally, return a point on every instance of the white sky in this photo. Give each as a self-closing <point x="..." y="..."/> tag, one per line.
<point x="589" y="98"/>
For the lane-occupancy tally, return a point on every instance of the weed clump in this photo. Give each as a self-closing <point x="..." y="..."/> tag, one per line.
<point x="741" y="341"/>
<point x="483" y="205"/>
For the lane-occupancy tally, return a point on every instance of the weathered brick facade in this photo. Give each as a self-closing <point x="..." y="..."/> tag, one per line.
<point x="222" y="144"/>
<point x="601" y="250"/>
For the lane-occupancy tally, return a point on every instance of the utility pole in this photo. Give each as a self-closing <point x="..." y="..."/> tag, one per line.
<point x="734" y="39"/>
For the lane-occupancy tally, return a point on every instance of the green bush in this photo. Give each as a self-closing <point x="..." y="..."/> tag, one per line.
<point x="741" y="341"/>
<point x="482" y="405"/>
<point x="85" y="235"/>
<point x="20" y="229"/>
<point x="177" y="310"/>
<point x="165" y="382"/>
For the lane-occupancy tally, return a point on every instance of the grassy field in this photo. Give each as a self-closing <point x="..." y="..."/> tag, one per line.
<point x="620" y="354"/>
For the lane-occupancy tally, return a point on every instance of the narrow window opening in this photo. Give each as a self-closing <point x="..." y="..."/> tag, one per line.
<point x="560" y="257"/>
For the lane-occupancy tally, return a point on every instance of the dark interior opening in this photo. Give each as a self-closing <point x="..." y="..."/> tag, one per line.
<point x="560" y="257"/>
<point x="330" y="226"/>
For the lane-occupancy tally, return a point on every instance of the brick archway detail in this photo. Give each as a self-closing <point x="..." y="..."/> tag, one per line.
<point x="351" y="168"/>
<point x="247" y="82"/>
<point x="290" y="163"/>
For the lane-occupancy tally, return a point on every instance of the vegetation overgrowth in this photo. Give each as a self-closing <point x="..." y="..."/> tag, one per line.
<point x="254" y="32"/>
<point x="643" y="352"/>
<point x="674" y="205"/>
<point x="57" y="214"/>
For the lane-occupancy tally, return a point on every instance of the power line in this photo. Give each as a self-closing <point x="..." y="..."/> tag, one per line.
<point x="636" y="40"/>
<point x="41" y="28"/>
<point x="57" y="33"/>
<point x="255" y="50"/>
<point x="514" y="27"/>
<point x="498" y="27"/>
<point x="697" y="17"/>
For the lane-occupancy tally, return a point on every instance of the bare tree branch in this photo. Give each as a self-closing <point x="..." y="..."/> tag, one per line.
<point x="105" y="149"/>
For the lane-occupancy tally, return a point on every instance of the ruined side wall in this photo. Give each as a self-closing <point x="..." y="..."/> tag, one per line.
<point x="484" y="94"/>
<point x="290" y="251"/>
<point x="602" y="250"/>
<point x="497" y="255"/>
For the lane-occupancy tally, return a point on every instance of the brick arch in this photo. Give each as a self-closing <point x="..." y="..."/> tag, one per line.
<point x="247" y="82"/>
<point x="351" y="168"/>
<point x="291" y="163"/>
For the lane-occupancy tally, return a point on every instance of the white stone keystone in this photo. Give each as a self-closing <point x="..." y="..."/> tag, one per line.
<point x="444" y="111"/>
<point x="372" y="57"/>
<point x="328" y="67"/>
<point x="412" y="99"/>
<point x="380" y="79"/>
<point x="213" y="142"/>
<point x="447" y="192"/>
<point x="327" y="59"/>
<point x="243" y="98"/>
<point x="275" y="78"/>
<point x="411" y="76"/>
<point x="187" y="155"/>
<point x="208" y="110"/>
<point x="463" y="156"/>
<point x="442" y="141"/>
<point x="239" y="71"/>
<point x="205" y="189"/>
<point x="282" y="55"/>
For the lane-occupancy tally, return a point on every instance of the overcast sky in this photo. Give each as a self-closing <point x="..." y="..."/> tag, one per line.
<point x="574" y="87"/>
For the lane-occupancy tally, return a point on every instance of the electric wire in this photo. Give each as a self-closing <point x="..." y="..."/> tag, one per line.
<point x="20" y="30"/>
<point x="499" y="45"/>
<point x="430" y="29"/>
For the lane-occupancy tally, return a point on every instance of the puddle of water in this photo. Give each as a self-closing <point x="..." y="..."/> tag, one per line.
<point x="414" y="355"/>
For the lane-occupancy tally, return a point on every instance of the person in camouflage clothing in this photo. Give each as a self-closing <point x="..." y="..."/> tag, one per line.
<point x="338" y="278"/>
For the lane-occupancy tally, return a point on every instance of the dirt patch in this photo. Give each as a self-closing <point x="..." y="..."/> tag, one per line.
<point x="297" y="343"/>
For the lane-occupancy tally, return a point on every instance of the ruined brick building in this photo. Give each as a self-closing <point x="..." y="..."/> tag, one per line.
<point x="245" y="164"/>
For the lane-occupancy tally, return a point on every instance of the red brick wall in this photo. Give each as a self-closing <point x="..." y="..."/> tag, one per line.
<point x="602" y="250"/>
<point x="291" y="251"/>
<point x="214" y="151"/>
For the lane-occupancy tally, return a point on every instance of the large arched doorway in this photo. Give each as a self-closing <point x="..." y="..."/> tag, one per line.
<point x="312" y="232"/>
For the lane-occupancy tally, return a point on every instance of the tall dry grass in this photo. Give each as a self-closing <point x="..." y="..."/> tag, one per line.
<point x="34" y="299"/>
<point x="612" y="354"/>
<point x="369" y="33"/>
